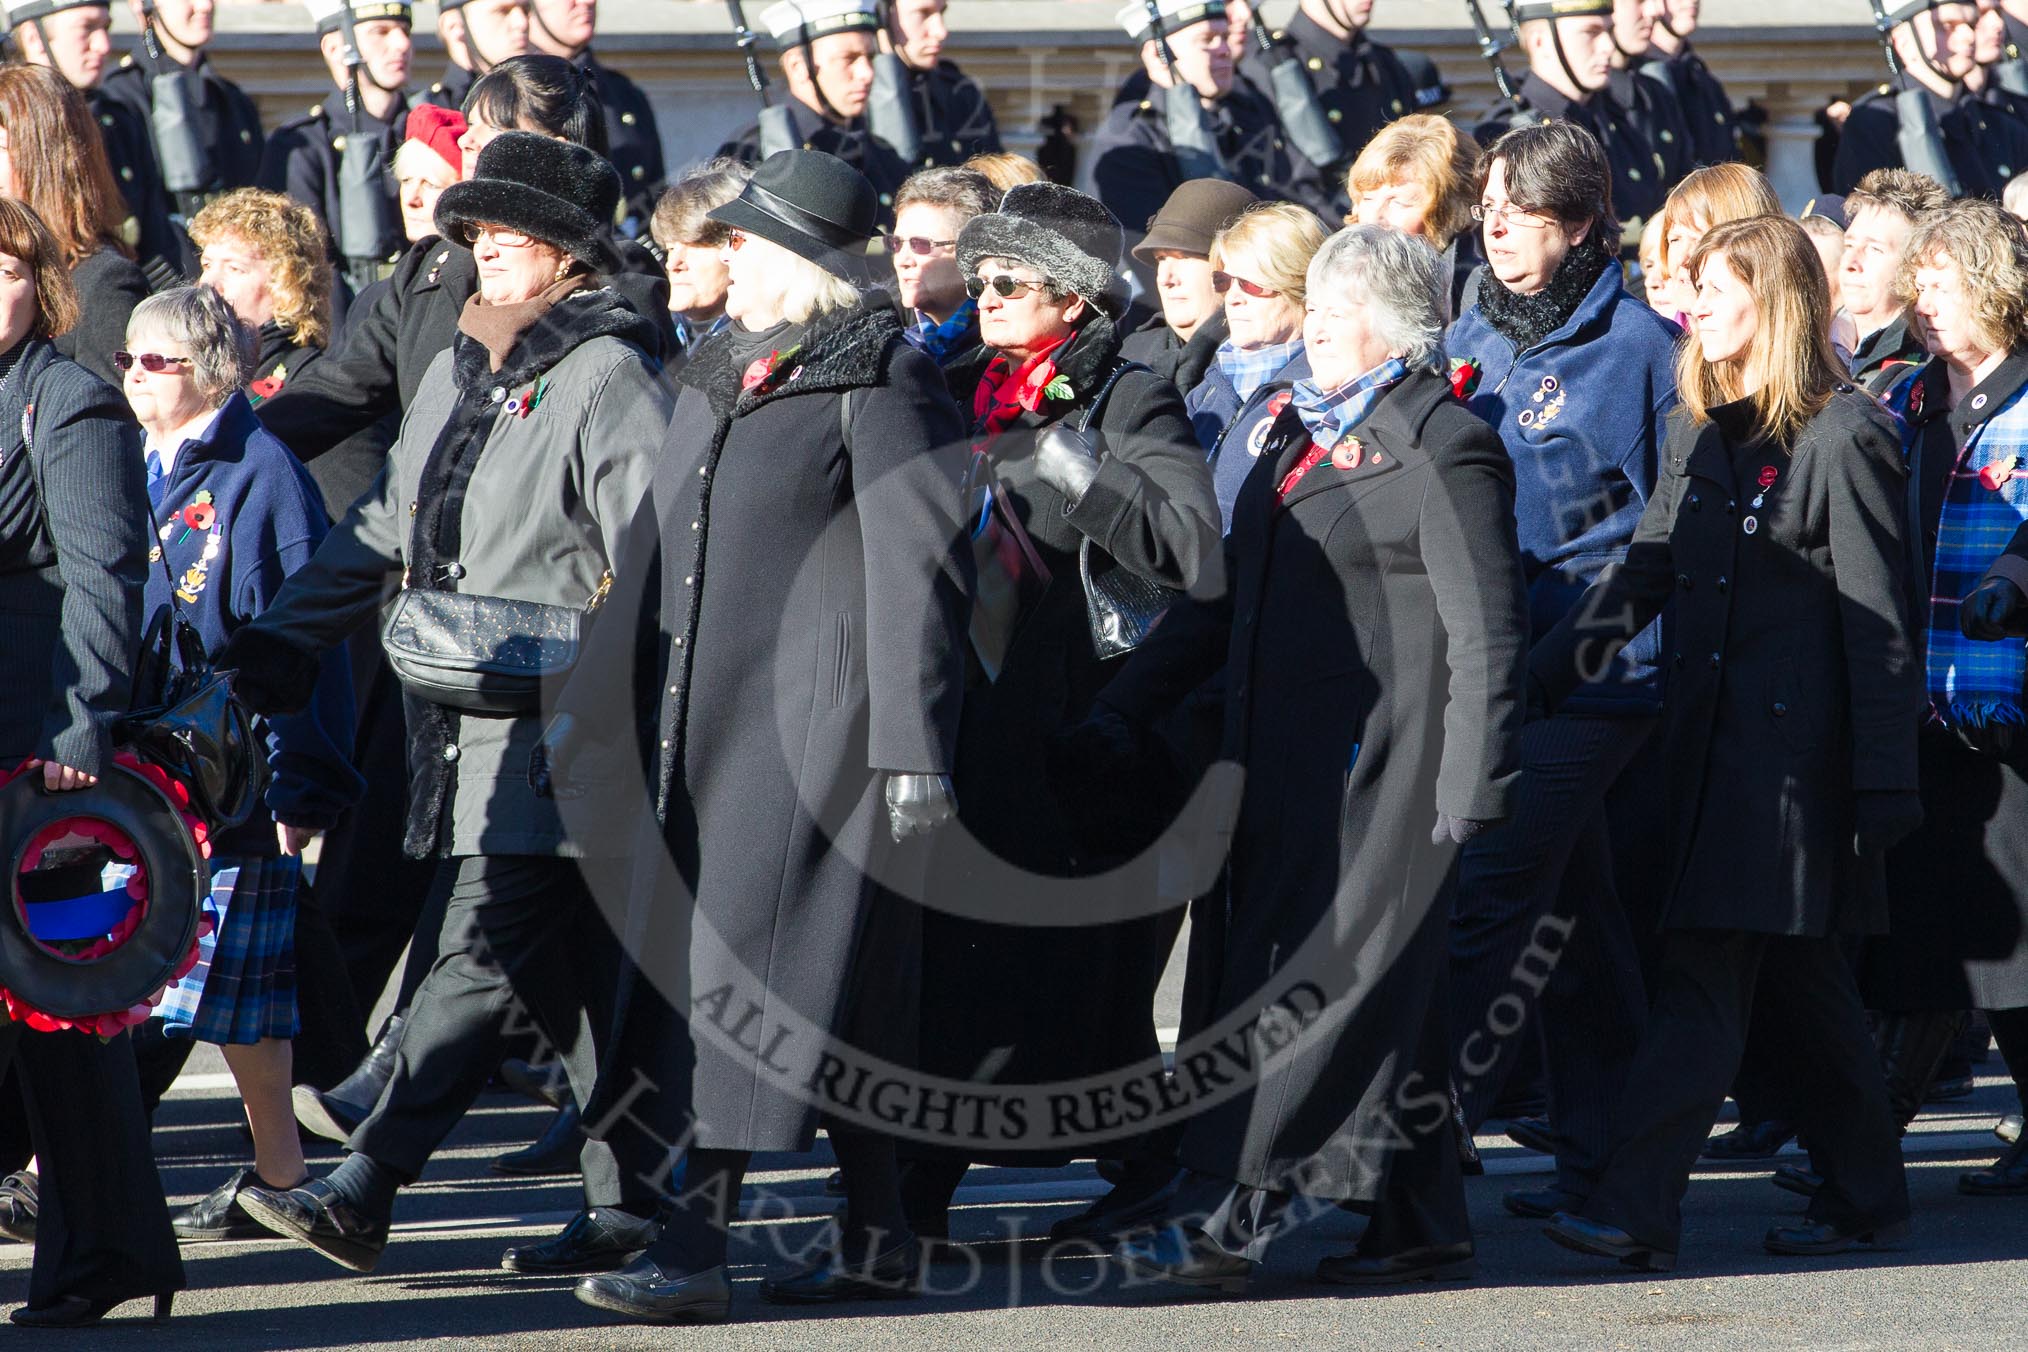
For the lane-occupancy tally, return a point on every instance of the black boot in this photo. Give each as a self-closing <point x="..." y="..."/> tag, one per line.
<point x="2007" y="1177"/>
<point x="555" y="1153"/>
<point x="1912" y="1046"/>
<point x="335" y="1113"/>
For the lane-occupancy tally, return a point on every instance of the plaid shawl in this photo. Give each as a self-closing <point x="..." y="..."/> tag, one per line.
<point x="1249" y="369"/>
<point x="1972" y="684"/>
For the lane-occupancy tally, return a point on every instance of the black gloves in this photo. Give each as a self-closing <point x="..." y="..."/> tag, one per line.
<point x="1457" y="830"/>
<point x="269" y="676"/>
<point x="919" y="804"/>
<point x="1882" y="818"/>
<point x="1996" y="609"/>
<point x="1066" y="460"/>
<point x="549" y="761"/>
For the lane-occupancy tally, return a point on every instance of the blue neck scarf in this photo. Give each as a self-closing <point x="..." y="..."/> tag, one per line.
<point x="1329" y="414"/>
<point x="1249" y="370"/>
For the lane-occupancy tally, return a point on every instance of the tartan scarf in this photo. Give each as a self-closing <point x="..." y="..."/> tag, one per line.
<point x="1249" y="369"/>
<point x="1004" y="393"/>
<point x="936" y="339"/>
<point x="1972" y="684"/>
<point x="1330" y="415"/>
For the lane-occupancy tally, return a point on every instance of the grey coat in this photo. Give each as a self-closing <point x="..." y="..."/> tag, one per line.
<point x="73" y="555"/>
<point x="479" y="500"/>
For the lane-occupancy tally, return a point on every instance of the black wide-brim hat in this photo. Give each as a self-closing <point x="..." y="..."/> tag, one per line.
<point x="147" y="959"/>
<point x="557" y="191"/>
<point x="812" y="204"/>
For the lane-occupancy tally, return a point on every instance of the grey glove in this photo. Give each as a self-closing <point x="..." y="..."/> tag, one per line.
<point x="1066" y="460"/>
<point x="1456" y="830"/>
<point x="919" y="804"/>
<point x="549" y="760"/>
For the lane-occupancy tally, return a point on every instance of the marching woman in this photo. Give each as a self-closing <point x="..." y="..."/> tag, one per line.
<point x="73" y="550"/>
<point x="500" y="510"/>
<point x="1792" y="708"/>
<point x="234" y="516"/>
<point x="1372" y="642"/>
<point x="798" y="670"/>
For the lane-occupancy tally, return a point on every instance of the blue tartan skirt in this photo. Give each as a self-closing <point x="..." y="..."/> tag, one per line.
<point x="243" y="988"/>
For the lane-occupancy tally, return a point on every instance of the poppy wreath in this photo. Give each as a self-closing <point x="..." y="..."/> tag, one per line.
<point x="99" y="963"/>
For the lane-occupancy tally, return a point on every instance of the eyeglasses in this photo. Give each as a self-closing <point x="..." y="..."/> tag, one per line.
<point x="502" y="237"/>
<point x="1516" y="217"/>
<point x="153" y="362"/>
<point x="1008" y="287"/>
<point x="734" y="239"/>
<point x="1222" y="282"/>
<point x="916" y="244"/>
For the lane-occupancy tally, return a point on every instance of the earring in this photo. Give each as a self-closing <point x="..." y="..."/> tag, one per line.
<point x="563" y="269"/>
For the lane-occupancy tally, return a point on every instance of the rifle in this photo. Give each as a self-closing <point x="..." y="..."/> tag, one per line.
<point x="890" y="108"/>
<point x="1490" y="48"/>
<point x="367" y="225"/>
<point x="174" y="105"/>
<point x="1917" y="135"/>
<point x="777" y="124"/>
<point x="1296" y="101"/>
<point x="1190" y="136"/>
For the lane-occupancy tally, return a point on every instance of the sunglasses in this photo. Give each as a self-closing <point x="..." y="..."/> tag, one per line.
<point x="150" y="361"/>
<point x="916" y="244"/>
<point x="1008" y="287"/>
<point x="1222" y="282"/>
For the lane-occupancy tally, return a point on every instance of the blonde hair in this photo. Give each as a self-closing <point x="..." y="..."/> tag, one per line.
<point x="1790" y="360"/>
<point x="1713" y="195"/>
<point x="290" y="240"/>
<point x="1005" y="169"/>
<point x="812" y="290"/>
<point x="1282" y="238"/>
<point x="1432" y="153"/>
<point x="1990" y="248"/>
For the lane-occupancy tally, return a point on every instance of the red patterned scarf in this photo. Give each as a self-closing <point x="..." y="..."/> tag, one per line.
<point x="1004" y="394"/>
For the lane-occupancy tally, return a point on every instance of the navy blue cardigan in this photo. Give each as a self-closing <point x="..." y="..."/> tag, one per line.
<point x="259" y="518"/>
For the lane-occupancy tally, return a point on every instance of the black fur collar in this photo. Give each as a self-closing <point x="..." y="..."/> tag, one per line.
<point x="571" y="322"/>
<point x="1526" y="320"/>
<point x="843" y="350"/>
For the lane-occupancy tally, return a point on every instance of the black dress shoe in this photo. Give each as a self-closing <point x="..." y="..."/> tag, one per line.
<point x="834" y="1185"/>
<point x="2007" y="1177"/>
<point x="556" y="1152"/>
<point x="76" y="1312"/>
<point x="642" y="1290"/>
<point x="20" y="1204"/>
<point x="2007" y="1128"/>
<point x="1136" y="1203"/>
<point x="831" y="1280"/>
<point x="544" y="1083"/>
<point x="318" y="1215"/>
<point x="1533" y="1133"/>
<point x="1434" y="1263"/>
<point x="1750" y="1141"/>
<point x="1469" y="1162"/>
<point x="1949" y="1090"/>
<point x="1796" y="1179"/>
<point x="1608" y="1241"/>
<point x="219" y="1216"/>
<point x="602" y="1239"/>
<point x="1186" y="1257"/>
<point x="323" y="1113"/>
<point x="1821" y="1237"/>
<point x="1539" y="1204"/>
<point x="335" y="1113"/>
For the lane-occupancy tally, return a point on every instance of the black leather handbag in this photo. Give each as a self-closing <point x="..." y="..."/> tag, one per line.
<point x="483" y="654"/>
<point x="186" y="721"/>
<point x="1121" y="606"/>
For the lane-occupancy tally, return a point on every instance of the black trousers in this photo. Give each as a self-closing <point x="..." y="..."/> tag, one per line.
<point x="103" y="1227"/>
<point x="1537" y="926"/>
<point x="1712" y="987"/>
<point x="523" y="930"/>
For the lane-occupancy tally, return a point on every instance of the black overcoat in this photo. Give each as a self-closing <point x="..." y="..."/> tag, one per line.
<point x="1372" y="646"/>
<point x="1792" y="683"/>
<point x="804" y="595"/>
<point x="1012" y="991"/>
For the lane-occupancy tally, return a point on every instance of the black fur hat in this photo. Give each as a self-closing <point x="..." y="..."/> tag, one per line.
<point x="1069" y="238"/>
<point x="561" y="193"/>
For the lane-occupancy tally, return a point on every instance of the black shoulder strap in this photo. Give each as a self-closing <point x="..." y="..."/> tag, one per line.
<point x="1120" y="368"/>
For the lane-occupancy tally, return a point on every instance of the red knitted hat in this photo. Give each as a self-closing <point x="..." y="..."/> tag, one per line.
<point x="439" y="129"/>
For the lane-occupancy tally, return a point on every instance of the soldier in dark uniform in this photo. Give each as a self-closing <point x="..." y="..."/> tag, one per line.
<point x="1999" y="75"/>
<point x="225" y="150"/>
<point x="477" y="36"/>
<point x="337" y="158"/>
<point x="827" y="49"/>
<point x="1979" y="145"/>
<point x="1360" y="84"/>
<point x="1650" y="103"/>
<point x="1570" y="52"/>
<point x="564" y="28"/>
<point x="1134" y="166"/>
<point x="74" y="40"/>
<point x="951" y="113"/>
<point x="1707" y="108"/>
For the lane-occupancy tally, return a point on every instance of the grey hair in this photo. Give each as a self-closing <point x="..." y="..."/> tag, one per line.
<point x="197" y="318"/>
<point x="1399" y="276"/>
<point x="967" y="192"/>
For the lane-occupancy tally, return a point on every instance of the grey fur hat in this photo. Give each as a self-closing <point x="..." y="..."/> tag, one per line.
<point x="1071" y="239"/>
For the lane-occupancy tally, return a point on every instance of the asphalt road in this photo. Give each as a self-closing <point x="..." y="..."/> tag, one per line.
<point x="1961" y="1282"/>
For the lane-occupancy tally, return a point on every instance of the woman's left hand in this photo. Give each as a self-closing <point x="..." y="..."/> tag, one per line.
<point x="294" y="839"/>
<point x="1066" y="461"/>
